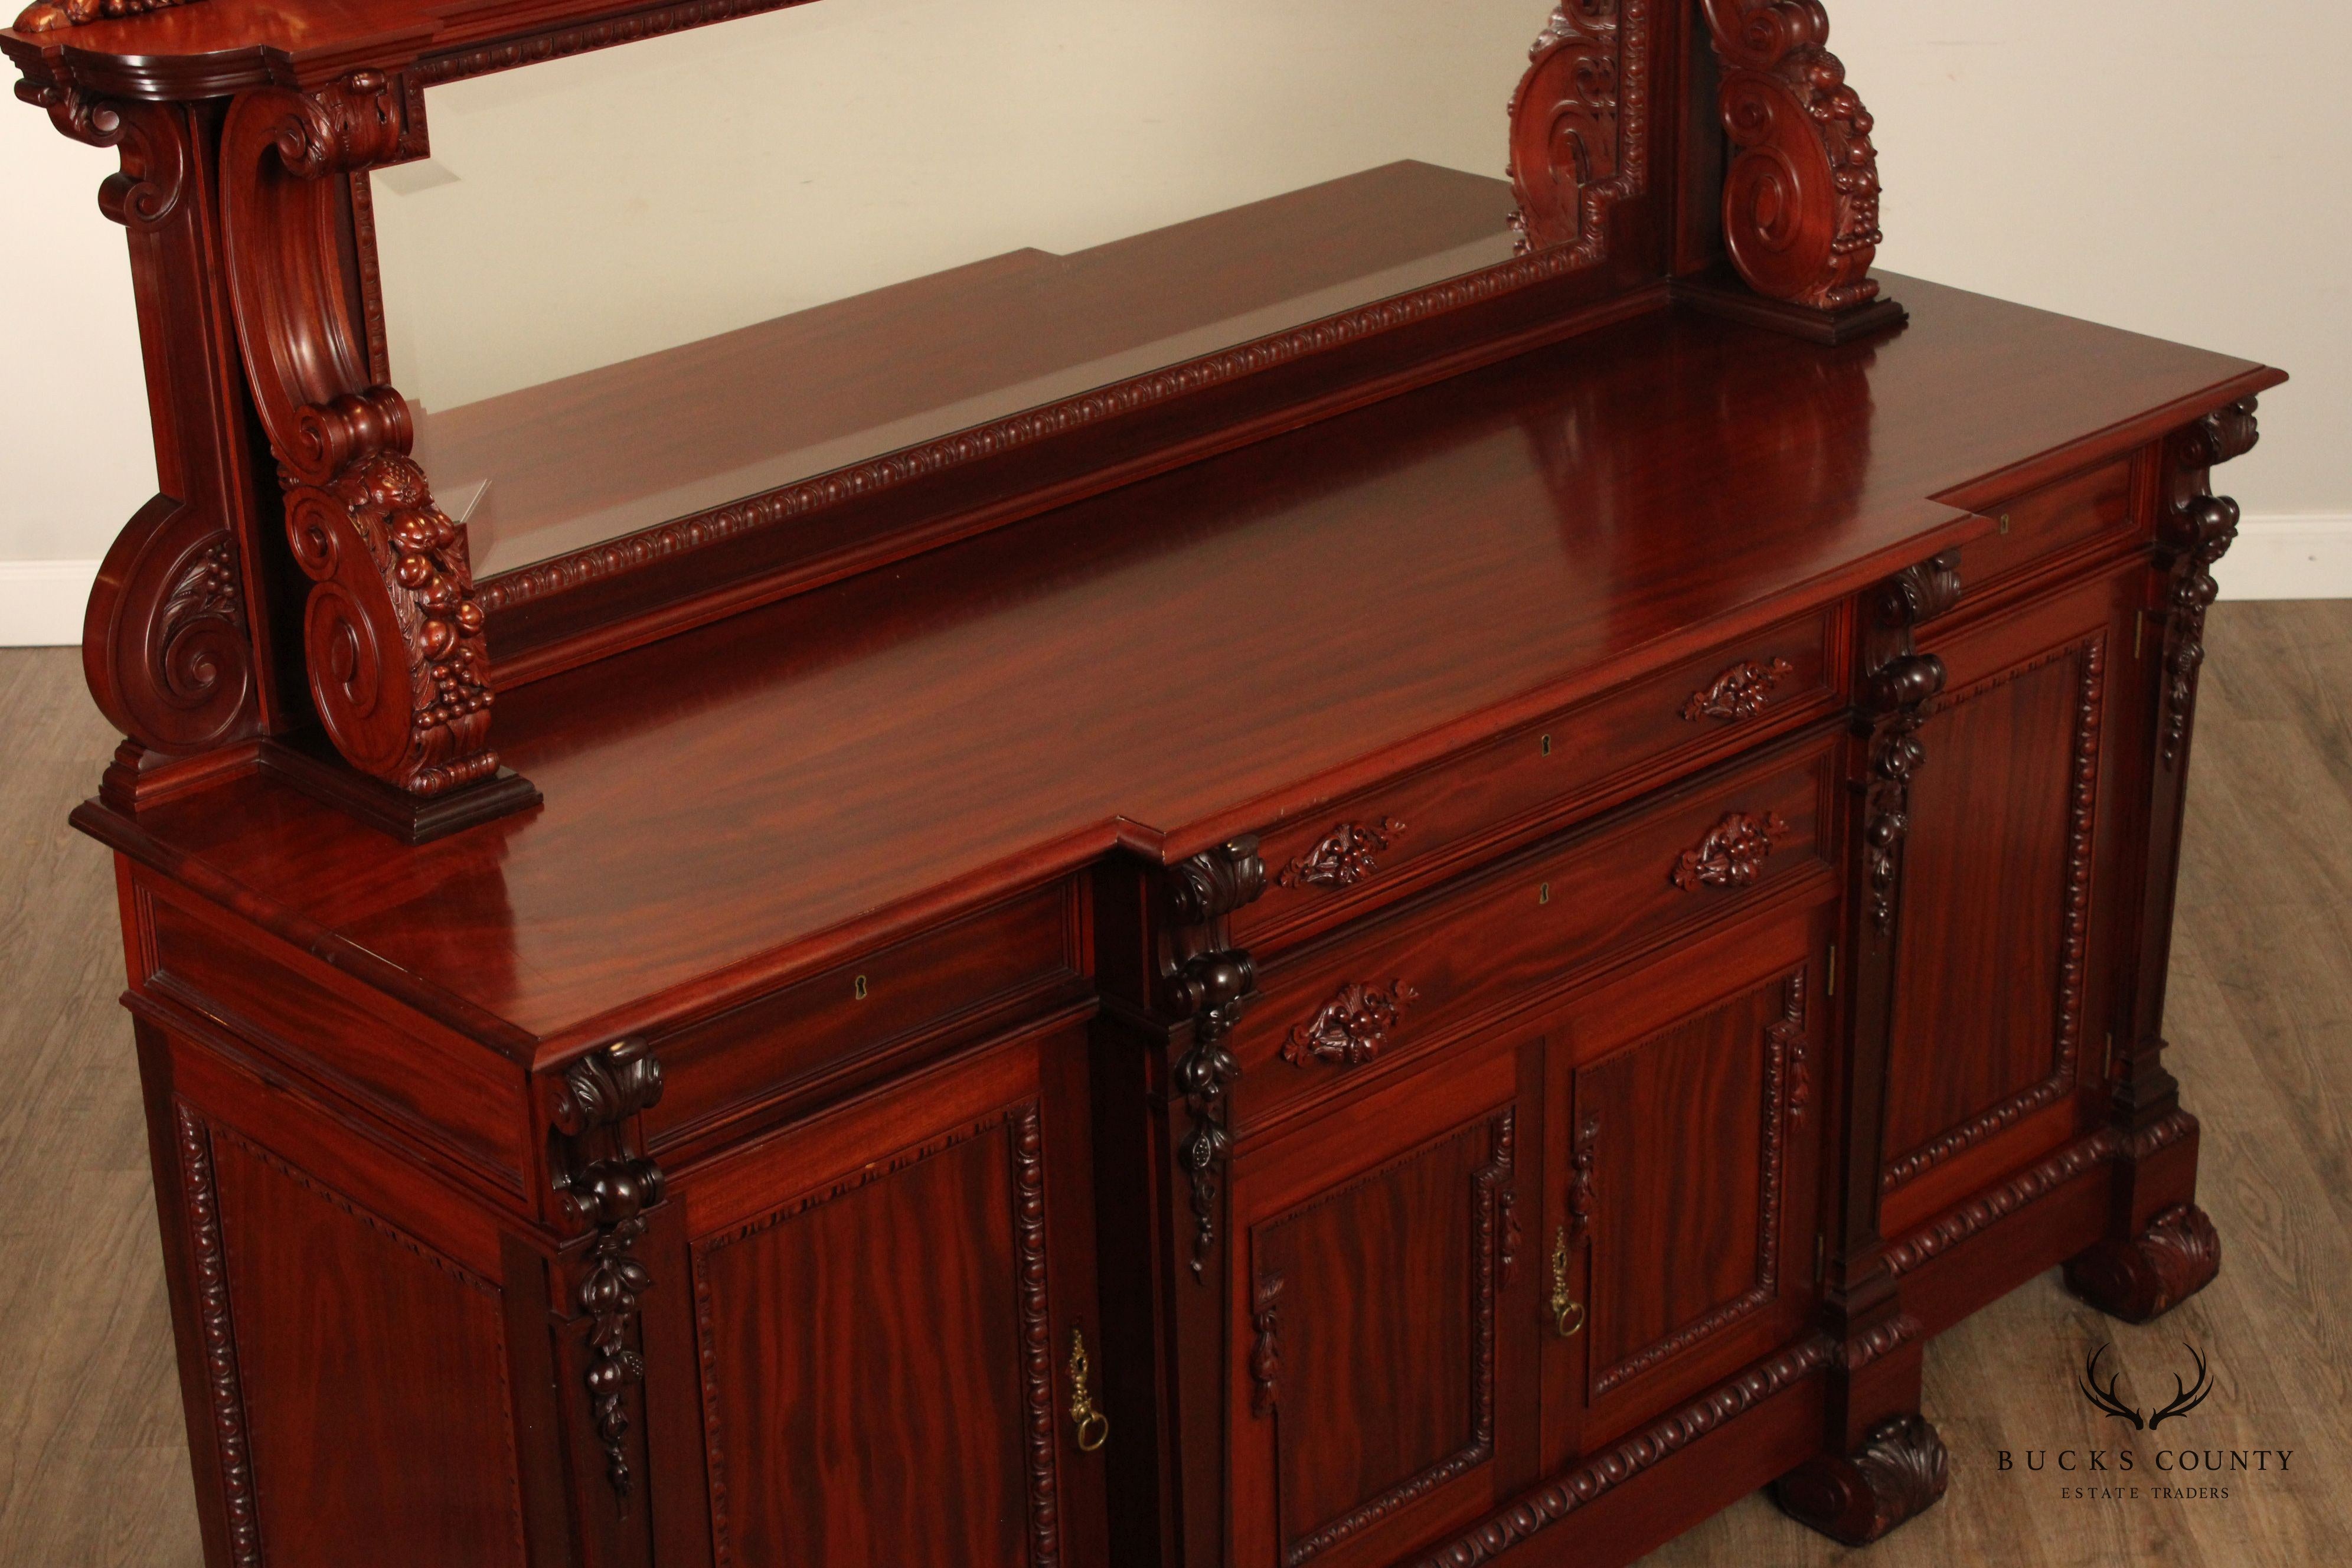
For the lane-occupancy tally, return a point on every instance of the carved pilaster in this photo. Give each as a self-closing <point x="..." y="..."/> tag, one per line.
<point x="607" y="1185"/>
<point x="1801" y="198"/>
<point x="2196" y="531"/>
<point x="1206" y="981"/>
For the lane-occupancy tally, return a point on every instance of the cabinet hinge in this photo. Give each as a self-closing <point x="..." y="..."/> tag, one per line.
<point x="1821" y="1256"/>
<point x="2139" y="624"/>
<point x="1831" y="986"/>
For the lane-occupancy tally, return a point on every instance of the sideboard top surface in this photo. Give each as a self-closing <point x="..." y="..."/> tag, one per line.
<point x="1212" y="651"/>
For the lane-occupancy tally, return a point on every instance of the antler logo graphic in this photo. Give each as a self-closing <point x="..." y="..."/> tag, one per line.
<point x="2185" y="1397"/>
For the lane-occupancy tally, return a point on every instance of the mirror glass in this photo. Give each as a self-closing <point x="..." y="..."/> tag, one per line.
<point x="633" y="285"/>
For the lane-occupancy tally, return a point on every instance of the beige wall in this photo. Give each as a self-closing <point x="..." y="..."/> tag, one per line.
<point x="2159" y="166"/>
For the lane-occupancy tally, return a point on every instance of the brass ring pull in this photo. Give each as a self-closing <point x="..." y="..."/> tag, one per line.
<point x="1571" y="1319"/>
<point x="1092" y="1425"/>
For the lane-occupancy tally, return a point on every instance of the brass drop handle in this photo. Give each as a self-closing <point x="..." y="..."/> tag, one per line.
<point x="1567" y="1312"/>
<point x="1092" y="1425"/>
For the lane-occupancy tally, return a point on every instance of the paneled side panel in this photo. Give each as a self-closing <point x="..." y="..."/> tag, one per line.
<point x="1683" y="1185"/>
<point x="359" y="1377"/>
<point x="1998" y="865"/>
<point x="1385" y="1293"/>
<point x="872" y="1382"/>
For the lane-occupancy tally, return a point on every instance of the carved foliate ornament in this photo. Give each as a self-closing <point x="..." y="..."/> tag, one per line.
<point x="607" y="1186"/>
<point x="1739" y="692"/>
<point x="1732" y="855"/>
<point x="1801" y="198"/>
<point x="2146" y="1275"/>
<point x="1206" y="981"/>
<point x="2196" y="530"/>
<point x="1343" y="857"/>
<point x="1351" y="1029"/>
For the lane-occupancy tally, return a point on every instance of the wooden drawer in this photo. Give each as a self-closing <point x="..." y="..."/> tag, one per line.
<point x="2055" y="518"/>
<point x="1372" y="847"/>
<point x="729" y="1075"/>
<point x="1703" y="853"/>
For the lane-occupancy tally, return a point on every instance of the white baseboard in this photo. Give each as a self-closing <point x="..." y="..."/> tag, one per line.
<point x="2274" y="558"/>
<point x="2289" y="558"/>
<point x="41" y="602"/>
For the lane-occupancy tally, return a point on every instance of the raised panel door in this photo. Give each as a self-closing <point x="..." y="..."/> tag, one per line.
<point x="1685" y="1159"/>
<point x="890" y="1307"/>
<point x="1380" y="1316"/>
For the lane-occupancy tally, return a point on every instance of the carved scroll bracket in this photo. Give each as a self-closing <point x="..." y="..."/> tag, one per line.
<point x="1801" y="199"/>
<point x="1580" y="124"/>
<point x="2196" y="530"/>
<point x="1206" y="981"/>
<point x="392" y="634"/>
<point x="605" y="1186"/>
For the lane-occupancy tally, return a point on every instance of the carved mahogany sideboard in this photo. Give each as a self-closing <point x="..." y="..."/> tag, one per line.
<point x="1449" y="934"/>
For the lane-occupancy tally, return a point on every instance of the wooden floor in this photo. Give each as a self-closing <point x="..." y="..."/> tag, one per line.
<point x="92" y="1468"/>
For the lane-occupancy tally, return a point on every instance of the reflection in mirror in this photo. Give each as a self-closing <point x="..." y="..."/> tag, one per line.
<point x="631" y="286"/>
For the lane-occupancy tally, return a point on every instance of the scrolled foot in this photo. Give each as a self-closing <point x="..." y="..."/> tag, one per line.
<point x="2153" y="1272"/>
<point x="1899" y="1470"/>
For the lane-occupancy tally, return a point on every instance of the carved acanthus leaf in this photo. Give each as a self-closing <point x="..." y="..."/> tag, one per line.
<point x="1732" y="855"/>
<point x="1343" y="857"/>
<point x="1739" y="692"/>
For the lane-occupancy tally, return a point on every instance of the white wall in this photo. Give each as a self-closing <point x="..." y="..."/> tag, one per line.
<point x="2146" y="165"/>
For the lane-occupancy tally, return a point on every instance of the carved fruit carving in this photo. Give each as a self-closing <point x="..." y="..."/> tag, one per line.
<point x="1343" y="857"/>
<point x="49" y="15"/>
<point x="1801" y="198"/>
<point x="2196" y="533"/>
<point x="1207" y="983"/>
<point x="1351" y="1029"/>
<point x="1732" y="855"/>
<point x="1739" y="692"/>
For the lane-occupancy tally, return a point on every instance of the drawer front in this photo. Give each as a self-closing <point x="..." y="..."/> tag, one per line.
<point x="982" y="972"/>
<point x="1324" y="868"/>
<point x="1706" y="852"/>
<point x="2055" y="518"/>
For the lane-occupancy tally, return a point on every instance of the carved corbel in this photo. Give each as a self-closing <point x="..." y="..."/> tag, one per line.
<point x="1801" y="198"/>
<point x="1206" y="981"/>
<point x="605" y="1184"/>
<point x="2196" y="530"/>
<point x="392" y="632"/>
<point x="1579" y="123"/>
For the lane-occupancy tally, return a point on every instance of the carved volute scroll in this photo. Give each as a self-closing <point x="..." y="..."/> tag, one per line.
<point x="1801" y="198"/>
<point x="606" y="1186"/>
<point x="392" y="634"/>
<point x="2196" y="530"/>
<point x="1579" y="122"/>
<point x="1206" y="980"/>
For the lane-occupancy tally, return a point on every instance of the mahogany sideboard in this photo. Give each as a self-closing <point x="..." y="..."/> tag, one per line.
<point x="1447" y="938"/>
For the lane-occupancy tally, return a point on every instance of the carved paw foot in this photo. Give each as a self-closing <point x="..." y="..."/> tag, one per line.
<point x="2149" y="1274"/>
<point x="1897" y="1472"/>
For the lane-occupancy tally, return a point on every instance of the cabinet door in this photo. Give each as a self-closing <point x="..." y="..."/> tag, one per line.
<point x="887" y="1300"/>
<point x="1680" y="1239"/>
<point x="1996" y="1017"/>
<point x="1382" y="1338"/>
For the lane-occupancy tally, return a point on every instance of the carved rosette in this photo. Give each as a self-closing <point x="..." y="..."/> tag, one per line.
<point x="1739" y="692"/>
<point x="2149" y="1274"/>
<point x="398" y="668"/>
<point x="606" y="1186"/>
<point x="1351" y="1029"/>
<point x="1732" y="855"/>
<point x="1801" y="199"/>
<point x="1900" y="1470"/>
<point x="1343" y="857"/>
<point x="2197" y="530"/>
<point x="1579" y="122"/>
<point x="1206" y="981"/>
<point x="51" y="16"/>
